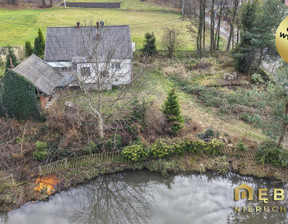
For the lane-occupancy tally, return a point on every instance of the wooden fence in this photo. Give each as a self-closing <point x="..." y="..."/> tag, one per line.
<point x="76" y="162"/>
<point x="7" y="182"/>
<point x="232" y="152"/>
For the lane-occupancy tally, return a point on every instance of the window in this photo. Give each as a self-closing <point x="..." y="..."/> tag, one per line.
<point x="116" y="65"/>
<point x="85" y="71"/>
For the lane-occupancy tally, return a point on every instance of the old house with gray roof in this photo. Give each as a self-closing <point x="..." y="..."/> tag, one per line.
<point x="91" y="54"/>
<point x="43" y="76"/>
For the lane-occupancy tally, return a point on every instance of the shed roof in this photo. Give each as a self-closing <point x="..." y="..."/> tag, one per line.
<point x="86" y="42"/>
<point x="43" y="76"/>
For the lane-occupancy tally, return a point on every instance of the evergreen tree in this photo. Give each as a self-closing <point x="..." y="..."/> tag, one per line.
<point x="258" y="25"/>
<point x="13" y="57"/>
<point x="269" y="17"/>
<point x="39" y="45"/>
<point x="28" y="49"/>
<point x="172" y="112"/>
<point x="244" y="53"/>
<point x="17" y="98"/>
<point x="149" y="48"/>
<point x="277" y="99"/>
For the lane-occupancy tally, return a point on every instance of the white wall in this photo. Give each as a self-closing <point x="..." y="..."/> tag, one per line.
<point x="116" y="76"/>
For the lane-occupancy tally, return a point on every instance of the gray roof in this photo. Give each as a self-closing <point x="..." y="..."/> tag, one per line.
<point x="43" y="76"/>
<point x="72" y="43"/>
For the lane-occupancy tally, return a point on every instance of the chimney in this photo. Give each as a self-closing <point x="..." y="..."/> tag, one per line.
<point x="98" y="25"/>
<point x="78" y="25"/>
<point x="11" y="63"/>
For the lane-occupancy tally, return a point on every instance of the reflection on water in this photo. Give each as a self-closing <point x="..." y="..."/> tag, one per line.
<point x="144" y="197"/>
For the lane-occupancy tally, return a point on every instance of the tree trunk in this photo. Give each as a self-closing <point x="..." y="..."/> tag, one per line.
<point x="230" y="36"/>
<point x="199" y="34"/>
<point x="260" y="57"/>
<point x="212" y="27"/>
<point x="284" y="128"/>
<point x="204" y="23"/>
<point x="183" y="7"/>
<point x="232" y="22"/>
<point x="100" y="126"/>
<point x="217" y="34"/>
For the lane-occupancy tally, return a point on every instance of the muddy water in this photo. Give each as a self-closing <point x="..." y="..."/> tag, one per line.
<point x="144" y="197"/>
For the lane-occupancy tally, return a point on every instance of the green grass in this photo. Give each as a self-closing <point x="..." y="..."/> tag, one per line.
<point x="18" y="26"/>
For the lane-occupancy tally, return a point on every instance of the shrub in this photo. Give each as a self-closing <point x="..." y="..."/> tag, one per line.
<point x="28" y="49"/>
<point x="135" y="153"/>
<point x="163" y="148"/>
<point x="241" y="147"/>
<point x="214" y="147"/>
<point x="196" y="147"/>
<point x="149" y="48"/>
<point x="257" y="79"/>
<point x="90" y="147"/>
<point x="41" y="152"/>
<point x="41" y="146"/>
<point x="160" y="149"/>
<point x="269" y="153"/>
<point x="39" y="44"/>
<point x="208" y="135"/>
<point x="114" y="142"/>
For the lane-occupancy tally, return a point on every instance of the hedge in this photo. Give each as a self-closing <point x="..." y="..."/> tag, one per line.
<point x="163" y="148"/>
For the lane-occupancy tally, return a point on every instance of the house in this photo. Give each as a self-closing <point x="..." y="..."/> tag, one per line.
<point x="95" y="55"/>
<point x="43" y="76"/>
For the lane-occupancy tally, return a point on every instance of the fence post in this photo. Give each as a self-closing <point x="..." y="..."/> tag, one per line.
<point x="12" y="180"/>
<point x="66" y="163"/>
<point x="40" y="170"/>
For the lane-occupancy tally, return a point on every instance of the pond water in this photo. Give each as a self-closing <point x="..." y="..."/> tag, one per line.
<point x="145" y="197"/>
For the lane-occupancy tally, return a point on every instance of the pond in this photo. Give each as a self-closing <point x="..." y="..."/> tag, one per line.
<point x="145" y="197"/>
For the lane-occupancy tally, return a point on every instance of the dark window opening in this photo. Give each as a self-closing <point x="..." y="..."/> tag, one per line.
<point x="116" y="65"/>
<point x="85" y="71"/>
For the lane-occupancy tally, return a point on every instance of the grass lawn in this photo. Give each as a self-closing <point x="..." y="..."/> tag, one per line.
<point x="21" y="25"/>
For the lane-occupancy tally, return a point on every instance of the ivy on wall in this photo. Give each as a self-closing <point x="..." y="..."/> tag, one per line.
<point x="17" y="98"/>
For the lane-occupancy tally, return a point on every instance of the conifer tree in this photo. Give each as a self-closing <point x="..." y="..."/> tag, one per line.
<point x="259" y="22"/>
<point x="28" y="49"/>
<point x="149" y="48"/>
<point x="17" y="98"/>
<point x="39" y="45"/>
<point x="244" y="53"/>
<point x="172" y="112"/>
<point x="13" y="58"/>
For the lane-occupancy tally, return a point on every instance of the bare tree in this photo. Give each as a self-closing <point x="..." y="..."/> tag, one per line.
<point x="222" y="5"/>
<point x="212" y="26"/>
<point x="201" y="26"/>
<point x="171" y="40"/>
<point x="232" y="19"/>
<point x="102" y="61"/>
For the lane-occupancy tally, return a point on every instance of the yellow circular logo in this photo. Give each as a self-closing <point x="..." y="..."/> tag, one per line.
<point x="282" y="39"/>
